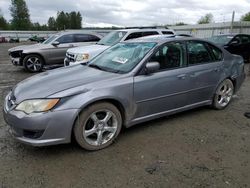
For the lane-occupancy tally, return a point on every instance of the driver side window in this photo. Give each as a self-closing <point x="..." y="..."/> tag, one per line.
<point x="66" y="39"/>
<point x="170" y="56"/>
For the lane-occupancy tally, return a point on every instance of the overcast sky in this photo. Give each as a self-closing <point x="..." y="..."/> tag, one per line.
<point x="134" y="12"/>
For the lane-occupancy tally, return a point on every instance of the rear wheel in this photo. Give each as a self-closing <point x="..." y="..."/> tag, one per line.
<point x="33" y="63"/>
<point x="98" y="126"/>
<point x="223" y="94"/>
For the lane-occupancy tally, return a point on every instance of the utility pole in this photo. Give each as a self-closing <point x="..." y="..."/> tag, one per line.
<point x="232" y="23"/>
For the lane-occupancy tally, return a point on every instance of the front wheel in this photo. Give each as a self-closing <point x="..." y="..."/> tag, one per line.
<point x="98" y="126"/>
<point x="33" y="63"/>
<point x="223" y="94"/>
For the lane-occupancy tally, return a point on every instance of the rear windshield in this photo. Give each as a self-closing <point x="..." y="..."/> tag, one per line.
<point x="223" y="39"/>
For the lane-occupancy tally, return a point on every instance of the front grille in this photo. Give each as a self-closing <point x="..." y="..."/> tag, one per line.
<point x="70" y="57"/>
<point x="16" y="54"/>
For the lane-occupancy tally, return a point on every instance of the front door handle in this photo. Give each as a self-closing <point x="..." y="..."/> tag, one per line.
<point x="182" y="76"/>
<point x="71" y="45"/>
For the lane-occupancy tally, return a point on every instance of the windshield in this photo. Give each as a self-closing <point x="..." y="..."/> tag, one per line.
<point x="223" y="39"/>
<point x="112" y="38"/>
<point x="122" y="57"/>
<point x="50" y="39"/>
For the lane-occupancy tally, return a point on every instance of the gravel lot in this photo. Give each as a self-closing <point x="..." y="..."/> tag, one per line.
<point x="198" y="148"/>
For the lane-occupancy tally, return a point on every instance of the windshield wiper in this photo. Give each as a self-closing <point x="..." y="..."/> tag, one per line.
<point x="96" y="66"/>
<point x="100" y="43"/>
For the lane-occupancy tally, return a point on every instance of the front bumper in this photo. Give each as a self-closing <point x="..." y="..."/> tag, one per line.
<point x="67" y="62"/>
<point x="41" y="129"/>
<point x="16" y="61"/>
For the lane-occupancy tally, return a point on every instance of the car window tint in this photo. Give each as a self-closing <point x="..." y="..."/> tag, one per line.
<point x="198" y="53"/>
<point x="236" y="39"/>
<point x="147" y="33"/>
<point x="217" y="53"/>
<point x="85" y="38"/>
<point x="245" y="39"/>
<point x="134" y="35"/>
<point x="167" y="33"/>
<point x="93" y="38"/>
<point x="169" y="56"/>
<point x="66" y="39"/>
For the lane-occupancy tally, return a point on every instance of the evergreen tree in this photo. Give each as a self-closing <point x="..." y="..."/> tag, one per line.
<point x="4" y="25"/>
<point x="20" y="15"/>
<point x="78" y="20"/>
<point x="52" y="24"/>
<point x="246" y="17"/>
<point x="61" y="20"/>
<point x="208" y="18"/>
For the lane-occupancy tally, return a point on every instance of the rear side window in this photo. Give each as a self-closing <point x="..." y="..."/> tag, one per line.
<point x="69" y="38"/>
<point x="86" y="38"/>
<point x="198" y="53"/>
<point x="93" y="38"/>
<point x="167" y="33"/>
<point x="147" y="33"/>
<point x="216" y="52"/>
<point x="134" y="35"/>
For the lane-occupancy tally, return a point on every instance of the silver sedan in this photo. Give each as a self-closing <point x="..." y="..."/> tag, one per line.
<point x="129" y="83"/>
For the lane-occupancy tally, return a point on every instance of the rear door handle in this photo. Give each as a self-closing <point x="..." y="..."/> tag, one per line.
<point x="182" y="76"/>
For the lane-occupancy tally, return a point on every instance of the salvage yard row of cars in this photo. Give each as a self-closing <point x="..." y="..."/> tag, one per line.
<point x="126" y="82"/>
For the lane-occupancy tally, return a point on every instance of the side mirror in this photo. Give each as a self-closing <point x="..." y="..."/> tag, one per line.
<point x="152" y="67"/>
<point x="55" y="43"/>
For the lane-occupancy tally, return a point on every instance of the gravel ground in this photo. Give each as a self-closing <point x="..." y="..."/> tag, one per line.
<point x="198" y="148"/>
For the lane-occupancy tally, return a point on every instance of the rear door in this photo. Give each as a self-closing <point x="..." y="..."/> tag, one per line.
<point x="205" y="69"/>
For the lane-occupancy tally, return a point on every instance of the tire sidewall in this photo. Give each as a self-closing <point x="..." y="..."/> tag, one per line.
<point x="29" y="56"/>
<point x="80" y="124"/>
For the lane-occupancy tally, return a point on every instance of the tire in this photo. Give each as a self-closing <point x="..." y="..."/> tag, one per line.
<point x="33" y="63"/>
<point x="92" y="131"/>
<point x="223" y="94"/>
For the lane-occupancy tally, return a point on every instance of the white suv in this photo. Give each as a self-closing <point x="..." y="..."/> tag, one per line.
<point x="85" y="53"/>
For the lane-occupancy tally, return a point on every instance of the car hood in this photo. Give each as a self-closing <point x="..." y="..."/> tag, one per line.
<point x="28" y="47"/>
<point x="51" y="82"/>
<point x="88" y="49"/>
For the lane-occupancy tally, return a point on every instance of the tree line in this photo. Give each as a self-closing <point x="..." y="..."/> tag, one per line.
<point x="21" y="19"/>
<point x="64" y="20"/>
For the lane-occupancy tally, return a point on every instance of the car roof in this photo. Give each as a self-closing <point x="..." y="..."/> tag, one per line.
<point x="162" y="39"/>
<point x="138" y="30"/>
<point x="77" y="32"/>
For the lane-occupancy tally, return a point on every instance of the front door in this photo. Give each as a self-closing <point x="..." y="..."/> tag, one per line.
<point x="165" y="89"/>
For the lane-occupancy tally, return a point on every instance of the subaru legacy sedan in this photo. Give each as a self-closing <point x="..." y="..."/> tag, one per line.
<point x="129" y="83"/>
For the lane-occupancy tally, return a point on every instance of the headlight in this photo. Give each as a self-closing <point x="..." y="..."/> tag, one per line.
<point x="37" y="105"/>
<point x="82" y="57"/>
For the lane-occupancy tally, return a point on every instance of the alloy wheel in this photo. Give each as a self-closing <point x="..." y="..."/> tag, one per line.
<point x="101" y="126"/>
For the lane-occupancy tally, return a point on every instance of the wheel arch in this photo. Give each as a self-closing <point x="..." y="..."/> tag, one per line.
<point x="33" y="53"/>
<point x="112" y="101"/>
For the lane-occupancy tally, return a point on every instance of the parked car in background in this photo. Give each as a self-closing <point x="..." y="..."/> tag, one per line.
<point x="36" y="38"/>
<point x="52" y="51"/>
<point x="129" y="83"/>
<point x="86" y="53"/>
<point x="234" y="43"/>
